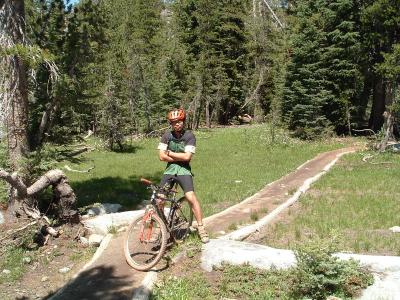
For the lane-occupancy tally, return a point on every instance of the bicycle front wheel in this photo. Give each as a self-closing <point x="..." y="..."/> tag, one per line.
<point x="145" y="242"/>
<point x="183" y="220"/>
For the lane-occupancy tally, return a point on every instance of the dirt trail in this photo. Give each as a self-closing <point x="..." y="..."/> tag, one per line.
<point x="110" y="277"/>
<point x="270" y="196"/>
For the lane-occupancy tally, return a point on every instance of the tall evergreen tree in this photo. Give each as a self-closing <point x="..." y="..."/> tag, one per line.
<point x="380" y="32"/>
<point x="215" y="39"/>
<point x="323" y="77"/>
<point x="74" y="38"/>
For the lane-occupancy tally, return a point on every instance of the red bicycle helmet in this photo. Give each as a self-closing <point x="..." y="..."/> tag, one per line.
<point x="176" y="115"/>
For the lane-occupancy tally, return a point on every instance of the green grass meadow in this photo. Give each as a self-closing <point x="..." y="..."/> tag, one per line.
<point x="230" y="164"/>
<point x="357" y="200"/>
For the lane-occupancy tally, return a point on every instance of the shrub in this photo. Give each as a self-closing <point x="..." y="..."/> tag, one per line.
<point x="319" y="274"/>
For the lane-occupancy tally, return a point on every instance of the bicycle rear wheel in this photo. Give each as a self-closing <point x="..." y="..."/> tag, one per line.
<point x="145" y="242"/>
<point x="183" y="220"/>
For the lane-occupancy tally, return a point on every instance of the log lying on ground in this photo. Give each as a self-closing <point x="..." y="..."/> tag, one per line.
<point x="79" y="151"/>
<point x="68" y="168"/>
<point x="63" y="195"/>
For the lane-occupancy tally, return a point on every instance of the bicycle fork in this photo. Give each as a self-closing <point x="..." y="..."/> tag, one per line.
<point x="147" y="225"/>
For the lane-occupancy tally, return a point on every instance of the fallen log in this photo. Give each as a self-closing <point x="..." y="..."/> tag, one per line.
<point x="63" y="196"/>
<point x="68" y="168"/>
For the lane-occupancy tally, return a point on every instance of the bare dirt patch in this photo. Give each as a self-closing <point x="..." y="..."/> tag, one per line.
<point x="41" y="267"/>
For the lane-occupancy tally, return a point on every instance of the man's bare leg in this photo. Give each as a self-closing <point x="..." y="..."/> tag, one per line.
<point x="194" y="203"/>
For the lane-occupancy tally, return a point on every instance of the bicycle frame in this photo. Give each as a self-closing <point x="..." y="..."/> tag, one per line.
<point x="148" y="236"/>
<point x="170" y="196"/>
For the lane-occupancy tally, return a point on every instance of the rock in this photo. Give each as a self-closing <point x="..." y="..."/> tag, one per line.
<point x="44" y="279"/>
<point x="5" y="271"/>
<point x="101" y="224"/>
<point x="1" y="218"/>
<point x="84" y="241"/>
<point x="105" y="208"/>
<point x="395" y="229"/>
<point x="64" y="270"/>
<point x="218" y="251"/>
<point x="27" y="260"/>
<point x="95" y="239"/>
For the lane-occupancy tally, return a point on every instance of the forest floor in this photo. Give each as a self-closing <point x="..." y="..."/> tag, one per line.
<point x="42" y="271"/>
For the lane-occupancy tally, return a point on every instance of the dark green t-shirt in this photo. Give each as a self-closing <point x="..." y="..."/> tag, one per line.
<point x="186" y="143"/>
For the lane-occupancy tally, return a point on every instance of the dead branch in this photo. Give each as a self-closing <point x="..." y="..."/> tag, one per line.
<point x="366" y="157"/>
<point x="34" y="213"/>
<point x="13" y="232"/>
<point x="66" y="167"/>
<point x="369" y="156"/>
<point x="273" y="14"/>
<point x="151" y="133"/>
<point x="368" y="130"/>
<point x="79" y="151"/>
<point x="50" y="230"/>
<point x="90" y="132"/>
<point x="14" y="181"/>
<point x="255" y="93"/>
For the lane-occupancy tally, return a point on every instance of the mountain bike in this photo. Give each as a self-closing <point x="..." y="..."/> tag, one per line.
<point x="166" y="219"/>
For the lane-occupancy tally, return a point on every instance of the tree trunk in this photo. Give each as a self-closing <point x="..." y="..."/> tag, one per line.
<point x="14" y="100"/>
<point x="47" y="120"/>
<point x="196" y="101"/>
<point x="378" y="104"/>
<point x="208" y="121"/>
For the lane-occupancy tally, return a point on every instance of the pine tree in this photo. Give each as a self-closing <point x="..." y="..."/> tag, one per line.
<point x="379" y="32"/>
<point x="323" y="76"/>
<point x="214" y="35"/>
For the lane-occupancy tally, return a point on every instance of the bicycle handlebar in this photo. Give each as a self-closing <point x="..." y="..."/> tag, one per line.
<point x="156" y="187"/>
<point x="146" y="181"/>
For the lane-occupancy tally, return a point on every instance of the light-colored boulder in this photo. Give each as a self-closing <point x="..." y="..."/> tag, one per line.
<point x="218" y="251"/>
<point x="95" y="239"/>
<point x="104" y="208"/>
<point x="84" y="241"/>
<point x="386" y="269"/>
<point x="64" y="270"/>
<point x="386" y="286"/>
<point x="27" y="260"/>
<point x="1" y="218"/>
<point x="101" y="224"/>
<point x="376" y="263"/>
<point x="395" y="229"/>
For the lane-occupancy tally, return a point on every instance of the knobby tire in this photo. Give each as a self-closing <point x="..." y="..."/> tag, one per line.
<point x="145" y="242"/>
<point x="183" y="220"/>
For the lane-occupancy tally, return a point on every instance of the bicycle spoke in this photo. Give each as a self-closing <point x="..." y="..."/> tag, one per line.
<point x="145" y="243"/>
<point x="182" y="221"/>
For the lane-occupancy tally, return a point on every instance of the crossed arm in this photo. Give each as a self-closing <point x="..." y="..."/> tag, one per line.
<point x="170" y="156"/>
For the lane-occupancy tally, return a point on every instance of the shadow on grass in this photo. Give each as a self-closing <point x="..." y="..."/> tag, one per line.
<point x="95" y="283"/>
<point x="128" y="192"/>
<point x="128" y="148"/>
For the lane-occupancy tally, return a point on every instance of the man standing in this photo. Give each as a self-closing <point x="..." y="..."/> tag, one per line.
<point x="176" y="148"/>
